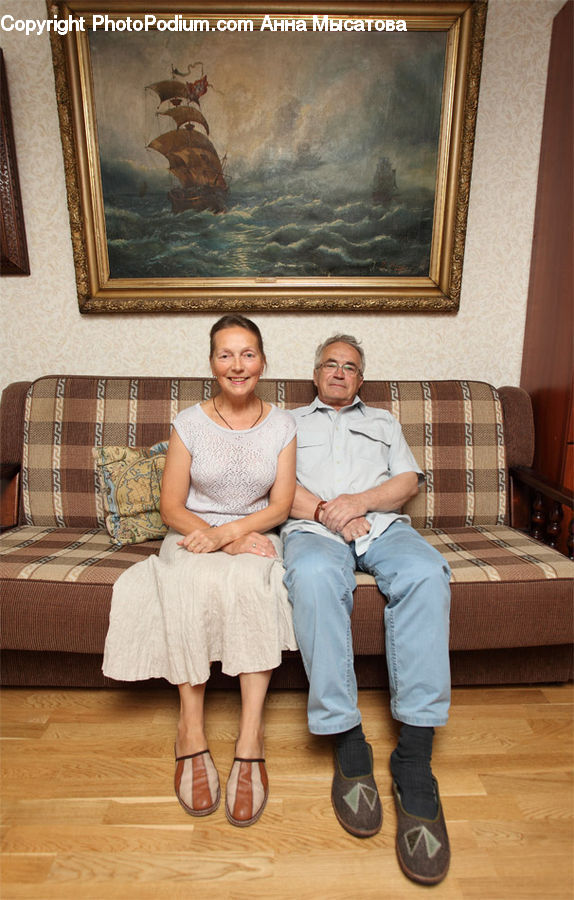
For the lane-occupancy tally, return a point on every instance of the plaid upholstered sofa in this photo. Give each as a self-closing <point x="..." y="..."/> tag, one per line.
<point x="511" y="617"/>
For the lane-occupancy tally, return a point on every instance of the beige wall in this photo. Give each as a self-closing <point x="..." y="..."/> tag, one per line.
<point x="43" y="332"/>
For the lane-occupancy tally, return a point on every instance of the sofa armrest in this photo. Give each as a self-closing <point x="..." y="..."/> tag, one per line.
<point x="9" y="488"/>
<point x="536" y="506"/>
<point x="518" y="425"/>
<point x="12" y="406"/>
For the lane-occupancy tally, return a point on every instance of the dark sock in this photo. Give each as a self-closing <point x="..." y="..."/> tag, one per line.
<point x="411" y="769"/>
<point x="353" y="753"/>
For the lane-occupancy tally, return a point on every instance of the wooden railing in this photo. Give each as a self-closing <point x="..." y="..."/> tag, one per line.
<point x="537" y="506"/>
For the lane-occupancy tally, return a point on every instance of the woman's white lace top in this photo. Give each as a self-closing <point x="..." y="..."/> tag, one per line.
<point x="232" y="472"/>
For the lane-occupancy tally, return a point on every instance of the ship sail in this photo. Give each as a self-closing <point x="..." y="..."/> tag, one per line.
<point x="168" y="90"/>
<point x="183" y="114"/>
<point x="192" y="157"/>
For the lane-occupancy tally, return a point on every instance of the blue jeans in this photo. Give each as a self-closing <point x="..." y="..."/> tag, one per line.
<point x="414" y="577"/>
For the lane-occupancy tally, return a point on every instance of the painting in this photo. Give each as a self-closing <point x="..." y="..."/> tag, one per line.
<point x="268" y="161"/>
<point x="13" y="246"/>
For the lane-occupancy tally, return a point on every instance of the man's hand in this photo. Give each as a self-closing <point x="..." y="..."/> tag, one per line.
<point x="338" y="512"/>
<point x="355" y="529"/>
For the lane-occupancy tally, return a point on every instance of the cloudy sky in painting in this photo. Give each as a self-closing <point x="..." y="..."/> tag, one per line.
<point x="312" y="111"/>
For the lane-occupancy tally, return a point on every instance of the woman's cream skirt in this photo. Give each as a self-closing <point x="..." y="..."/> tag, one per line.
<point x="174" y="614"/>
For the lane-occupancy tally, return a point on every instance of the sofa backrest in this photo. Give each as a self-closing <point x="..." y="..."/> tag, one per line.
<point x="454" y="429"/>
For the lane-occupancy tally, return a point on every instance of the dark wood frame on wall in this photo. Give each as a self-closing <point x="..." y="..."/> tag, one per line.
<point x="438" y="290"/>
<point x="13" y="247"/>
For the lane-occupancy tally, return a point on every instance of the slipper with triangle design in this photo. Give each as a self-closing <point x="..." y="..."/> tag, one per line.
<point x="423" y="848"/>
<point x="356" y="801"/>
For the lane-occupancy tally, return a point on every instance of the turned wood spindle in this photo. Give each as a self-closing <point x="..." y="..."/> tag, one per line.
<point x="538" y="518"/>
<point x="555" y="524"/>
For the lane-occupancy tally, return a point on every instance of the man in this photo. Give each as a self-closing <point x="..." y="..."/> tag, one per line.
<point x="354" y="473"/>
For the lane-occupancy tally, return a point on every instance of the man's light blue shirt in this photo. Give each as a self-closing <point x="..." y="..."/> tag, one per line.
<point x="346" y="452"/>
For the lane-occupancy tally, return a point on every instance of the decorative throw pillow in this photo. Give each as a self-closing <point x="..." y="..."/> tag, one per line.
<point x="130" y="482"/>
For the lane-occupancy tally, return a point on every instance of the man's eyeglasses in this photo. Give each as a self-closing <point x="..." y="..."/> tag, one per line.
<point x="346" y="368"/>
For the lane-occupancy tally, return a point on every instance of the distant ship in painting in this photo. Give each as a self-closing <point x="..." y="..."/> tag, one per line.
<point x="385" y="181"/>
<point x="191" y="156"/>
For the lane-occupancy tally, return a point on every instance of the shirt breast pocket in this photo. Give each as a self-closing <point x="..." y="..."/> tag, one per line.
<point x="371" y="442"/>
<point x="312" y="453"/>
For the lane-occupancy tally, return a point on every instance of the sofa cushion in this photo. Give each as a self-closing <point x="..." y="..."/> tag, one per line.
<point x="455" y="431"/>
<point x="130" y="482"/>
<point x="67" y="555"/>
<point x="57" y="586"/>
<point x="454" y="428"/>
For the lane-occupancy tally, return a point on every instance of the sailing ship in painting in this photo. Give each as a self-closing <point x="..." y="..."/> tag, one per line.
<point x="191" y="155"/>
<point x="385" y="181"/>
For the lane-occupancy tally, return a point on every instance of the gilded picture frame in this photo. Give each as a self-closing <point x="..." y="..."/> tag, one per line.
<point x="343" y="142"/>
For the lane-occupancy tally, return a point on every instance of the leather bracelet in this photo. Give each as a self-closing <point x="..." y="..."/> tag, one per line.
<point x="320" y="506"/>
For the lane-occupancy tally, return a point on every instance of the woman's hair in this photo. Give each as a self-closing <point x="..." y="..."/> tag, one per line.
<point x="235" y="320"/>
<point x="340" y="339"/>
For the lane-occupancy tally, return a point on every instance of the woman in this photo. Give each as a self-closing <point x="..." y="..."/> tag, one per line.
<point x="216" y="590"/>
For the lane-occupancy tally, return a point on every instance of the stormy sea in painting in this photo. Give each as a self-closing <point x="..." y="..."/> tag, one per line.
<point x="263" y="156"/>
<point x="271" y="237"/>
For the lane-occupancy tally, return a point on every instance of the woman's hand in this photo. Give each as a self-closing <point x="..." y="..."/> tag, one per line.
<point x="202" y="540"/>
<point x="253" y="542"/>
<point x="207" y="540"/>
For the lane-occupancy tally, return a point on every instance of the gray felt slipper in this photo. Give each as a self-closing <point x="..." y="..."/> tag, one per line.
<point x="422" y="845"/>
<point x="356" y="802"/>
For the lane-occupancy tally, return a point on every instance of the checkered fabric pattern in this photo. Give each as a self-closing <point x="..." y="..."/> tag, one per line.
<point x="70" y="555"/>
<point x="454" y="429"/>
<point x="67" y="555"/>
<point x="497" y="554"/>
<point x="66" y="417"/>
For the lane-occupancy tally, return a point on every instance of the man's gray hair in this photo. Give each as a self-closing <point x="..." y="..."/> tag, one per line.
<point x="342" y="339"/>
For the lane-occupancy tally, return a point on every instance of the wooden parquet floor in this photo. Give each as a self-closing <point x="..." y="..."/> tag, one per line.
<point x="88" y="809"/>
